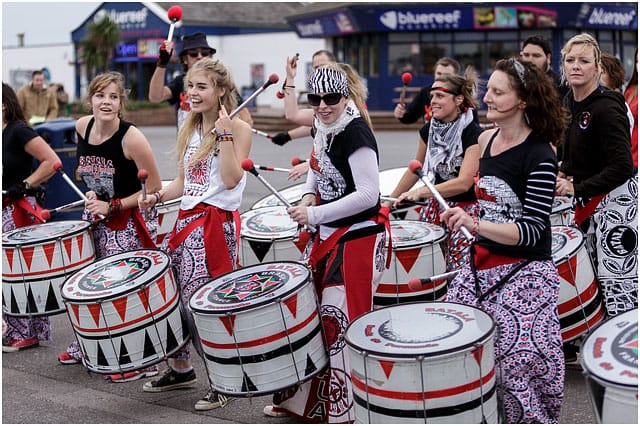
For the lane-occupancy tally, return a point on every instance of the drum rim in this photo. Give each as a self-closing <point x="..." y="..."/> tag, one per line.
<point x="412" y="246"/>
<point x="251" y="307"/>
<point x="84" y="228"/>
<point x="266" y="238"/>
<point x="573" y="252"/>
<point x="149" y="281"/>
<point x="271" y="196"/>
<point x="588" y="371"/>
<point x="485" y="337"/>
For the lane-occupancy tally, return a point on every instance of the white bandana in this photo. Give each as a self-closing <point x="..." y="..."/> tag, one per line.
<point x="326" y="132"/>
<point x="445" y="143"/>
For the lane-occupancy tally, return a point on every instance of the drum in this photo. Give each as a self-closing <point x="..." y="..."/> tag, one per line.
<point x="268" y="234"/>
<point x="293" y="194"/>
<point x="609" y="358"/>
<point x="167" y="215"/>
<point x="417" y="253"/>
<point x="429" y="362"/>
<point x="259" y="328"/>
<point x="36" y="259"/>
<point x="562" y="211"/>
<point x="579" y="302"/>
<point x="125" y="311"/>
<point x="388" y="181"/>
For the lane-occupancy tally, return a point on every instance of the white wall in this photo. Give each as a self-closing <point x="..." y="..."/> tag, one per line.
<point x="21" y="61"/>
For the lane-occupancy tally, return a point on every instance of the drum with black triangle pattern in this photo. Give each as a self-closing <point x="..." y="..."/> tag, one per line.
<point x="36" y="259"/>
<point x="259" y="328"/>
<point x="125" y="311"/>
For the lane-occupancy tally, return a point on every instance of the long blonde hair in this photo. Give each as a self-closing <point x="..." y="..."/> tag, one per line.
<point x="220" y="77"/>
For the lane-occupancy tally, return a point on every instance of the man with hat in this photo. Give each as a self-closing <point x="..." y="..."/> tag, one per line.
<point x="194" y="47"/>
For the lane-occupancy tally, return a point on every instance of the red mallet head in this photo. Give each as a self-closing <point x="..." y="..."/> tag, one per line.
<point x="45" y="214"/>
<point x="295" y="161"/>
<point x="279" y="95"/>
<point x="247" y="164"/>
<point x="406" y="78"/>
<point x="415" y="284"/>
<point x="57" y="165"/>
<point x="143" y="175"/>
<point x="273" y="78"/>
<point x="174" y="13"/>
<point x="415" y="165"/>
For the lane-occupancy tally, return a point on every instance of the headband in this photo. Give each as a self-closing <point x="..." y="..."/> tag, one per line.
<point x="444" y="89"/>
<point x="519" y="70"/>
<point x="326" y="80"/>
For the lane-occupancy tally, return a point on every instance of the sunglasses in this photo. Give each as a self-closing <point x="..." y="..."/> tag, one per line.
<point x="329" y="99"/>
<point x="204" y="52"/>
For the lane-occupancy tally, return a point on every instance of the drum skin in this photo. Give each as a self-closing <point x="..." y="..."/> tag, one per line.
<point x="125" y="311"/>
<point x="430" y="362"/>
<point x="562" y="211"/>
<point x="259" y="328"/>
<point x="167" y="215"/>
<point x="37" y="259"/>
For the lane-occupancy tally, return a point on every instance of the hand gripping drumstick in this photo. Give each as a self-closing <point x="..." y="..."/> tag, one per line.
<point x="174" y="13"/>
<point x="46" y="214"/>
<point x="416" y="167"/>
<point x="406" y="79"/>
<point x="417" y="283"/>
<point x="280" y="92"/>
<point x="142" y="177"/>
<point x="57" y="166"/>
<point x="247" y="165"/>
<point x="272" y="169"/>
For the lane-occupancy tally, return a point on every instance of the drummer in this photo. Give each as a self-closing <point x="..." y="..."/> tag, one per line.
<point x="448" y="149"/>
<point x="111" y="151"/>
<point x="511" y="273"/>
<point x="21" y="202"/>
<point x="204" y="241"/>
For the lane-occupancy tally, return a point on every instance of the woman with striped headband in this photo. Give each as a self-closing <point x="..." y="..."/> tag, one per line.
<point x="347" y="255"/>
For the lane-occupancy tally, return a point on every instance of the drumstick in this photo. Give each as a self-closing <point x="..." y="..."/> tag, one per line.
<point x="406" y="79"/>
<point x="408" y="202"/>
<point x="57" y="166"/>
<point x="280" y="92"/>
<point x="64" y="207"/>
<point x="174" y="13"/>
<point x="261" y="133"/>
<point x="296" y="160"/>
<point x="247" y="165"/>
<point x="417" y="283"/>
<point x="142" y="177"/>
<point x="416" y="167"/>
<point x="272" y="169"/>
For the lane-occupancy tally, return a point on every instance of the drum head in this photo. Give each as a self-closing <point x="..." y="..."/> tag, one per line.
<point x="34" y="234"/>
<point x="249" y="287"/>
<point x="561" y="204"/>
<point x="268" y="223"/>
<point x="565" y="242"/>
<point x="389" y="180"/>
<point x="414" y="233"/>
<point x="293" y="194"/>
<point x="419" y="329"/>
<point x="610" y="352"/>
<point x="116" y="275"/>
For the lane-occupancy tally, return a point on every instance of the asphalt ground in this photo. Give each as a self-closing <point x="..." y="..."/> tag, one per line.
<point x="37" y="389"/>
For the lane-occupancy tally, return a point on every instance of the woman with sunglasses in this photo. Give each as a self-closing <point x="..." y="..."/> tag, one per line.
<point x="203" y="243"/>
<point x="448" y="149"/>
<point x="511" y="274"/>
<point x="341" y="199"/>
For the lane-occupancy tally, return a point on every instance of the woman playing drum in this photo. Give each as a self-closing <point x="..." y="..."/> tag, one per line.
<point x="511" y="274"/>
<point x="110" y="153"/>
<point x="20" y="146"/>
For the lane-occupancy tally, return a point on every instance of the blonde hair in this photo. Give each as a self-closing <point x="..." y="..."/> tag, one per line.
<point x="101" y="81"/>
<point x="586" y="40"/>
<point x="220" y="77"/>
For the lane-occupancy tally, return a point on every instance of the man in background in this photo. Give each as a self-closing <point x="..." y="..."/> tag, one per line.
<point x="37" y="103"/>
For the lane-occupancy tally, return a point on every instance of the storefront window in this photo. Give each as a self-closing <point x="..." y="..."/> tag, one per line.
<point x="469" y="54"/>
<point x="404" y="58"/>
<point x="502" y="44"/>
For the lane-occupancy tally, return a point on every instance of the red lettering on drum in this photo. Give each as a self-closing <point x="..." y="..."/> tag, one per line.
<point x="606" y="365"/>
<point x="154" y="255"/>
<point x="572" y="233"/>
<point x="597" y="347"/>
<point x="629" y="373"/>
<point x="426" y="345"/>
<point x="293" y="270"/>
<point x="79" y="293"/>
<point x="368" y="331"/>
<point x="463" y="316"/>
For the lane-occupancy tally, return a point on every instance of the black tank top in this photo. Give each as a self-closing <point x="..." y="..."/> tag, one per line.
<point x="104" y="168"/>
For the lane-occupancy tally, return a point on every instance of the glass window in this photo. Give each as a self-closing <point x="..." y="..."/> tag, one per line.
<point x="402" y="37"/>
<point x="500" y="50"/>
<point x="404" y="58"/>
<point x="429" y="55"/>
<point x="469" y="54"/>
<point x="374" y="56"/>
<point x="468" y="36"/>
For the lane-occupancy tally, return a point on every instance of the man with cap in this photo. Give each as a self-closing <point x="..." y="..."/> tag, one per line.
<point x="194" y="47"/>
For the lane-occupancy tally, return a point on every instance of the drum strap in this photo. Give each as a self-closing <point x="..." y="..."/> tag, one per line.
<point x="215" y="242"/>
<point x="472" y="264"/>
<point x="583" y="212"/>
<point x="119" y="222"/>
<point x="20" y="213"/>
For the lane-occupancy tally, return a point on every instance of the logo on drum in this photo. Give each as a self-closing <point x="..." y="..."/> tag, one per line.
<point x="625" y="346"/>
<point x="441" y="326"/>
<point x="558" y="241"/>
<point x="115" y="274"/>
<point x="248" y="287"/>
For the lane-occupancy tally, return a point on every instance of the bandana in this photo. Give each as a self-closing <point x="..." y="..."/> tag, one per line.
<point x="326" y="132"/>
<point x="325" y="80"/>
<point x="445" y="144"/>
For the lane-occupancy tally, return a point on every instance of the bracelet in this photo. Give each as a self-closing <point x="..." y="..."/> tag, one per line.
<point x="115" y="206"/>
<point x="476" y="226"/>
<point x="157" y="195"/>
<point x="224" y="139"/>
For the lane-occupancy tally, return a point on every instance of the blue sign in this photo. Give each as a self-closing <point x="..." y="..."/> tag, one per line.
<point x="433" y="18"/>
<point x="618" y="17"/>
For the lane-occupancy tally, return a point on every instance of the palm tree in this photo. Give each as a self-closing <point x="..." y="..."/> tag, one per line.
<point x="97" y="48"/>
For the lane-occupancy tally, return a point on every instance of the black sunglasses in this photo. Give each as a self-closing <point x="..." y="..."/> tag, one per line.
<point x="204" y="52"/>
<point x="329" y="99"/>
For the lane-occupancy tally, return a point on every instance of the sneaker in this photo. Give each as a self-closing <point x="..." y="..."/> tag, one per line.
<point x="15" y="345"/>
<point x="275" y="411"/>
<point x="131" y="376"/>
<point x="212" y="400"/>
<point x="171" y="380"/>
<point x="67" y="359"/>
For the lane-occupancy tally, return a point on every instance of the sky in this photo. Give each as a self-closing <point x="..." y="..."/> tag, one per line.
<point x="42" y="22"/>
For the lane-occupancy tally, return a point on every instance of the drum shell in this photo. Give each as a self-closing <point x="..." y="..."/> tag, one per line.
<point x="34" y="270"/>
<point x="579" y="301"/>
<point x="255" y="350"/>
<point x="167" y="215"/>
<point x="397" y="388"/>
<point x="416" y="254"/>
<point x="129" y="330"/>
<point x="389" y="179"/>
<point x="267" y="234"/>
<point x="609" y="361"/>
<point x="562" y="211"/>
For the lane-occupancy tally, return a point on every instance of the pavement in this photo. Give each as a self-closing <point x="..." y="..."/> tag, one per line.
<point x="37" y="389"/>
